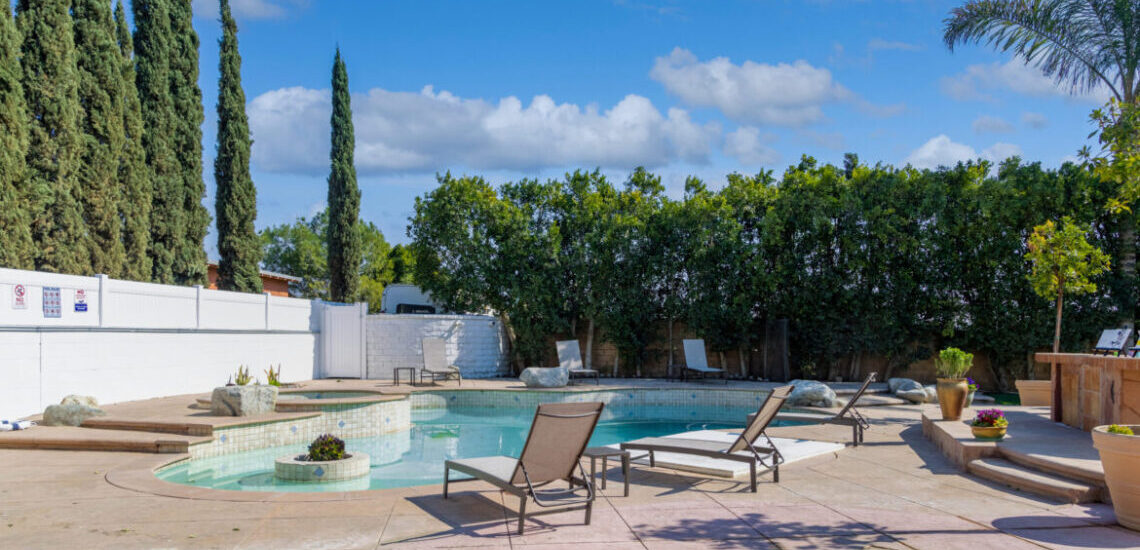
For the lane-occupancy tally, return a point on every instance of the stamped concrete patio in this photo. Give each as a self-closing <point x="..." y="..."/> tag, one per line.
<point x="897" y="491"/>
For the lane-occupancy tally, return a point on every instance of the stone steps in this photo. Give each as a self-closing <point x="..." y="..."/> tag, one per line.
<point x="90" y="439"/>
<point x="1034" y="481"/>
<point x="197" y="429"/>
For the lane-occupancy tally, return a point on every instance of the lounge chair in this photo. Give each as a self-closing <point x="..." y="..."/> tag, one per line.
<point x="553" y="449"/>
<point x="435" y="362"/>
<point x="848" y="416"/>
<point x="696" y="360"/>
<point x="570" y="358"/>
<point x="744" y="449"/>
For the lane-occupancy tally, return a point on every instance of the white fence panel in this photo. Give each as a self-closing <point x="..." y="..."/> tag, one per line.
<point x="343" y="341"/>
<point x="25" y="305"/>
<point x="148" y="305"/>
<point x="231" y="310"/>
<point x="476" y="344"/>
<point x="292" y="314"/>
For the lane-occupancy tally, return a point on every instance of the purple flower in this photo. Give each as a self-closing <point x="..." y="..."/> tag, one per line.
<point x="990" y="417"/>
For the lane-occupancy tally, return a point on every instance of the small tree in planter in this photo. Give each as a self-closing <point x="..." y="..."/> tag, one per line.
<point x="1119" y="449"/>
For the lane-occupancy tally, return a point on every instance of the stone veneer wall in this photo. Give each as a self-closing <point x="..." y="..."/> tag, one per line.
<point x="343" y="421"/>
<point x="475" y="343"/>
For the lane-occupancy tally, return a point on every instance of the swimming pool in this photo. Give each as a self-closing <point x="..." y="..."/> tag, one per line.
<point x="415" y="456"/>
<point x="331" y="394"/>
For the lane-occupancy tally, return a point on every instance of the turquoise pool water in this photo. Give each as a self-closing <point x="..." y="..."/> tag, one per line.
<point x="415" y="457"/>
<point x="324" y="394"/>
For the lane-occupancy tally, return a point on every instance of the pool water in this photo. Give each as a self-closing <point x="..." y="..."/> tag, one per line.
<point x="415" y="457"/>
<point x="324" y="394"/>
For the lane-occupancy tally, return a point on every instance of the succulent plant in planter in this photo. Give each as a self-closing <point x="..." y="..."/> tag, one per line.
<point x="326" y="461"/>
<point x="989" y="424"/>
<point x="326" y="447"/>
<point x="1119" y="448"/>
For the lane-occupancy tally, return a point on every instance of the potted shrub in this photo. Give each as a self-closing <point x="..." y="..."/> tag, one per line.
<point x="989" y="425"/>
<point x="1119" y="449"/>
<point x="971" y="389"/>
<point x="952" y="364"/>
<point x="325" y="461"/>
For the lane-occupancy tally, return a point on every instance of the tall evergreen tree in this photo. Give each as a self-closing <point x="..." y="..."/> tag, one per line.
<point x="134" y="180"/>
<point x="101" y="126"/>
<point x="152" y="46"/>
<point x="344" y="195"/>
<point x="190" y="254"/>
<point x="16" y="251"/>
<point x="54" y="145"/>
<point x="235" y="205"/>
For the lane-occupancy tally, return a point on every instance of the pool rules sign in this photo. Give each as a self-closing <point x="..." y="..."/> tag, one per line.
<point x="19" y="297"/>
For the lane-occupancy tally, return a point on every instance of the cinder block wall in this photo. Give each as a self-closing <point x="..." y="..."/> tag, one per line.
<point x="476" y="344"/>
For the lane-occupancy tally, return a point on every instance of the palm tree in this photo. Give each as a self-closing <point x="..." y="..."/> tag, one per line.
<point x="1080" y="43"/>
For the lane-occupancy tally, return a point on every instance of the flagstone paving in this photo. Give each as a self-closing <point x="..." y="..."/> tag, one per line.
<point x="897" y="491"/>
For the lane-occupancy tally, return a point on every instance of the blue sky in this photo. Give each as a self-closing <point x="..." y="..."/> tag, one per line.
<point x="509" y="89"/>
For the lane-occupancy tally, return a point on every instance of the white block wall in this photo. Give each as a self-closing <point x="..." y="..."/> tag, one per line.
<point x="475" y="343"/>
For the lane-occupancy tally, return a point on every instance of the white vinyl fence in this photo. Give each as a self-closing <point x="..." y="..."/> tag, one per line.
<point x="476" y="344"/>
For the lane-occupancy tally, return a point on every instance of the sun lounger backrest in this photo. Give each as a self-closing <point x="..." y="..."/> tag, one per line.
<point x="435" y="354"/>
<point x="558" y="436"/>
<point x="695" y="357"/>
<point x="855" y="397"/>
<point x="763" y="417"/>
<point x="569" y="355"/>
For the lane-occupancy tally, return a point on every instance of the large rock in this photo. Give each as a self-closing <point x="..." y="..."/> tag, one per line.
<point x="536" y="377"/>
<point x="902" y="384"/>
<point x="72" y="411"/>
<point x="243" y="400"/>
<point x="809" y="393"/>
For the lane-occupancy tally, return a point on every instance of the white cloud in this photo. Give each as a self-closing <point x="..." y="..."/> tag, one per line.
<point x="987" y="124"/>
<point x="942" y="151"/>
<point x="785" y="94"/>
<point x="249" y="9"/>
<point x="1036" y="121"/>
<point x="975" y="83"/>
<point x="751" y="148"/>
<point x="433" y="131"/>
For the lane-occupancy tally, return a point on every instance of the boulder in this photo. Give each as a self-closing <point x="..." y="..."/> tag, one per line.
<point x="902" y="384"/>
<point x="914" y="396"/>
<point x="72" y="411"/>
<point x="809" y="393"/>
<point x="536" y="377"/>
<point x="243" y="400"/>
<point x="931" y="394"/>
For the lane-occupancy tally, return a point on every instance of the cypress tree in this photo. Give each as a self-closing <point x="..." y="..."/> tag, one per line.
<point x="235" y="205"/>
<point x="54" y="144"/>
<point x="101" y="126"/>
<point x="134" y="181"/>
<point x="190" y="252"/>
<point x="152" y="45"/>
<point x="16" y="251"/>
<point x="344" y="196"/>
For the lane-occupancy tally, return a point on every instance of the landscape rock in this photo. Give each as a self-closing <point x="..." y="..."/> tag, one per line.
<point x="931" y="394"/>
<point x="243" y="400"/>
<point x="536" y="377"/>
<point x="914" y="396"/>
<point x="809" y="393"/>
<point x="72" y="411"/>
<point x="902" y="384"/>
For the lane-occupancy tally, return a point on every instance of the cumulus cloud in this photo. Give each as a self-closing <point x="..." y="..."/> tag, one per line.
<point x="784" y="94"/>
<point x="432" y="131"/>
<point x="1036" y="121"/>
<point x="942" y="151"/>
<point x="249" y="9"/>
<point x="977" y="81"/>
<point x="750" y="147"/>
<point x="987" y="124"/>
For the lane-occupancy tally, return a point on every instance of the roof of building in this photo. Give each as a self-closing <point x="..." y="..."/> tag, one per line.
<point x="267" y="274"/>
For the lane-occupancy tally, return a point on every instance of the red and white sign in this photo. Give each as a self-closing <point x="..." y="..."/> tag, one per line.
<point x="19" y="297"/>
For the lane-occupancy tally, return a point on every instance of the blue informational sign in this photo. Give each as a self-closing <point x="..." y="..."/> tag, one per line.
<point x="53" y="307"/>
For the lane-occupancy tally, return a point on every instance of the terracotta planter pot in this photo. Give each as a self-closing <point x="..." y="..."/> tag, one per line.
<point x="952" y="397"/>
<point x="1120" y="456"/>
<point x="988" y="433"/>
<point x="1035" y="393"/>
<point x="970" y="399"/>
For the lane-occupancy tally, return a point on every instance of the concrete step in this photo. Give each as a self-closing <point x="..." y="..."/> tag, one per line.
<point x="178" y="427"/>
<point x="1075" y="466"/>
<point x="1034" y="481"/>
<point x="88" y="439"/>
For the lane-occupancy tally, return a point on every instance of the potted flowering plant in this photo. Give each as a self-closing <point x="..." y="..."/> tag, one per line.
<point x="1119" y="448"/>
<point x="972" y="388"/>
<point x="989" y="425"/>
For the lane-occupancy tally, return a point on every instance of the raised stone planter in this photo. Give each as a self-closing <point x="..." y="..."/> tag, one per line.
<point x="1035" y="393"/>
<point x="537" y="377"/>
<point x="243" y="400"/>
<point x="289" y="468"/>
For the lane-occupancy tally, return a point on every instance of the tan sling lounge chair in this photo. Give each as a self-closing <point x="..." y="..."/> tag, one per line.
<point x="848" y="416"/>
<point x="570" y="358"/>
<point x="744" y="449"/>
<point x="552" y="452"/>
<point x="696" y="360"/>
<point x="435" y="362"/>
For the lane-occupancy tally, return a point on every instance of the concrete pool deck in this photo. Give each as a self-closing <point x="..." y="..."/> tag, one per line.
<point x="897" y="491"/>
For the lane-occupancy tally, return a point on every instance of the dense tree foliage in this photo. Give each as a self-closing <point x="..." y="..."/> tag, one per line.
<point x="235" y="205"/>
<point x="134" y="174"/>
<point x="1063" y="263"/>
<point x="53" y="160"/>
<point x="862" y="260"/>
<point x="14" y="217"/>
<point x="300" y="249"/>
<point x="344" y="246"/>
<point x="186" y="100"/>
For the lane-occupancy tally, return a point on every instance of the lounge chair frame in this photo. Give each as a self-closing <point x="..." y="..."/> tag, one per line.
<point x="435" y="353"/>
<point x="570" y="358"/>
<point x="847" y="416"/>
<point x="698" y="362"/>
<point x="520" y="482"/>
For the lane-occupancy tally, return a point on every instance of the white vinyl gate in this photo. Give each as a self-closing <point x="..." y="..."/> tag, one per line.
<point x="342" y="340"/>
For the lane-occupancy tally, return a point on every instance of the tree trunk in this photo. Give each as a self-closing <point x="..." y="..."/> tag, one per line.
<point x="1057" y="331"/>
<point x="723" y="362"/>
<point x="589" y="359"/>
<point x="743" y="362"/>
<point x="1054" y="373"/>
<point x="617" y="359"/>
<point x="511" y="346"/>
<point x="670" y="363"/>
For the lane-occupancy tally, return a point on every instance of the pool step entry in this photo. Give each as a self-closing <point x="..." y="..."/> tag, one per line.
<point x="1036" y="481"/>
